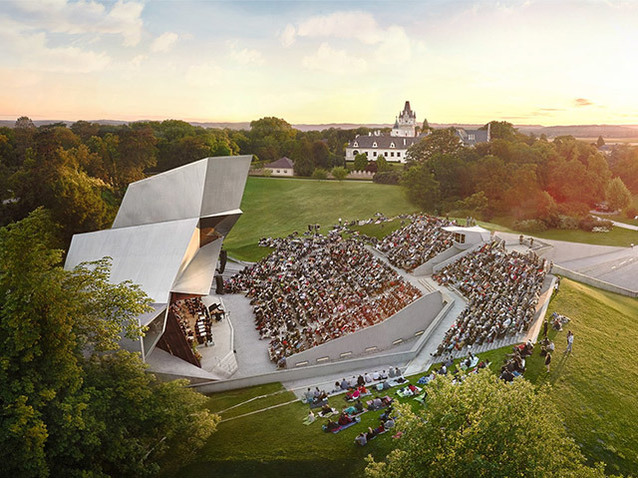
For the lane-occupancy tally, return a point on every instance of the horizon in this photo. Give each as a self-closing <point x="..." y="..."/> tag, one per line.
<point x="534" y="63"/>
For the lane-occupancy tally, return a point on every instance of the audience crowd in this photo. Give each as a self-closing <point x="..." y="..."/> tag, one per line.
<point x="313" y="288"/>
<point x="502" y="290"/>
<point x="416" y="243"/>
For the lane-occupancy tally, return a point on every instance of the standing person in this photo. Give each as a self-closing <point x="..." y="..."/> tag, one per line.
<point x="548" y="360"/>
<point x="570" y="341"/>
<point x="545" y="326"/>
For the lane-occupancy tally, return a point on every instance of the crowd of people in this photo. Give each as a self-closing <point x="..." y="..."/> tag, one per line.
<point x="194" y="320"/>
<point x="502" y="289"/>
<point x="314" y="288"/>
<point x="417" y="242"/>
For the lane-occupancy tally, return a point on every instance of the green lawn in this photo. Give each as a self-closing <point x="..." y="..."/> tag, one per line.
<point x="596" y="388"/>
<point x="616" y="237"/>
<point x="277" y="207"/>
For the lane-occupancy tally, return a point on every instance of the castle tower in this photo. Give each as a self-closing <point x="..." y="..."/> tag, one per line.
<point x="405" y="124"/>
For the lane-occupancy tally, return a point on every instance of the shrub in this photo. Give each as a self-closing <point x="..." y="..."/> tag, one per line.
<point x="631" y="213"/>
<point x="339" y="173"/>
<point x="530" y="225"/>
<point x="320" y="174"/>
<point x="567" y="222"/>
<point x="386" y="177"/>
<point x="589" y="223"/>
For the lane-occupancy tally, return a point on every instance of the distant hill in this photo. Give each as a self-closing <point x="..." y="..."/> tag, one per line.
<point x="579" y="131"/>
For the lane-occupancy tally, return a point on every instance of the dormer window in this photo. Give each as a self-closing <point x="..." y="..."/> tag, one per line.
<point x="355" y="144"/>
<point x="471" y="137"/>
<point x="392" y="145"/>
<point x="374" y="145"/>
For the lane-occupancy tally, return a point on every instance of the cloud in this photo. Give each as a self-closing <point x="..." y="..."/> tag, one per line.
<point x="392" y="43"/>
<point x="578" y="102"/>
<point x="85" y="17"/>
<point x="245" y="56"/>
<point x="164" y="42"/>
<point x="32" y="51"/>
<point x="287" y="37"/>
<point x="334" y="61"/>
<point x="356" y="25"/>
<point x="204" y="75"/>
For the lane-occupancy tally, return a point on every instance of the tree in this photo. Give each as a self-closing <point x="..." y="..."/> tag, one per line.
<point x="439" y="141"/>
<point x="382" y="164"/>
<point x="137" y="152"/>
<point x="339" y="173"/>
<point x="483" y="427"/>
<point x="360" y="162"/>
<point x="71" y="404"/>
<point x="617" y="195"/>
<point x="421" y="187"/>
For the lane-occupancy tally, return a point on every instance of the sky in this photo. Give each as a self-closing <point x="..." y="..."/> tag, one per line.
<point x="315" y="62"/>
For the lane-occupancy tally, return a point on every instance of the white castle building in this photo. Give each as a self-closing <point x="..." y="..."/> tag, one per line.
<point x="392" y="147"/>
<point x="403" y="135"/>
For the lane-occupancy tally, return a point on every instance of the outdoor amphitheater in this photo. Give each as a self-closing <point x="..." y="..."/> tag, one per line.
<point x="325" y="304"/>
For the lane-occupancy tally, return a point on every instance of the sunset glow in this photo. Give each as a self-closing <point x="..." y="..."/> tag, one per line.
<point x="532" y="62"/>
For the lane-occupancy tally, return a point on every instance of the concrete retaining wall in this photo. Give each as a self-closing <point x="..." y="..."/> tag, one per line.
<point x="592" y="281"/>
<point x="401" y="327"/>
<point x="427" y="268"/>
<point x="333" y="368"/>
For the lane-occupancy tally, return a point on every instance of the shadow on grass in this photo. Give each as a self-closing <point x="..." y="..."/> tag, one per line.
<point x="275" y="468"/>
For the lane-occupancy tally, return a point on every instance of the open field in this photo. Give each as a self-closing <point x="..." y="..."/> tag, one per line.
<point x="277" y="207"/>
<point x="595" y="389"/>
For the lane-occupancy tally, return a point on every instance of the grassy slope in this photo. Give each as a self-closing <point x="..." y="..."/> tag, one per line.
<point x="597" y="387"/>
<point x="277" y="207"/>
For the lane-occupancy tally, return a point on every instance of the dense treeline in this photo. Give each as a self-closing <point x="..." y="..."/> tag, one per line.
<point x="539" y="182"/>
<point x="73" y="403"/>
<point x="80" y="173"/>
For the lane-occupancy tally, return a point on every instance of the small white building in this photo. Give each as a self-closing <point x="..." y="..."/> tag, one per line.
<point x="282" y="167"/>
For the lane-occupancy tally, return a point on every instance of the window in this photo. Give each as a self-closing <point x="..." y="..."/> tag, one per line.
<point x="355" y="152"/>
<point x="374" y="153"/>
<point x="385" y="154"/>
<point x="392" y="154"/>
<point x="398" y="154"/>
<point x="355" y="144"/>
<point x="392" y="145"/>
<point x="278" y="171"/>
<point x="471" y="137"/>
<point x="374" y="145"/>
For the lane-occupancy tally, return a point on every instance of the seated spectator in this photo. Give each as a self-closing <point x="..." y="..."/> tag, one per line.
<point x="361" y="439"/>
<point x="389" y="423"/>
<point x="359" y="406"/>
<point x="344" y="419"/>
<point x="331" y="426"/>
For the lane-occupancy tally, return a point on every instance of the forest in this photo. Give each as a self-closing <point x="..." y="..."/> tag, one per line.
<point x="80" y="172"/>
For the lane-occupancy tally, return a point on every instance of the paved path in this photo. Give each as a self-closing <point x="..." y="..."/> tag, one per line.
<point x="625" y="225"/>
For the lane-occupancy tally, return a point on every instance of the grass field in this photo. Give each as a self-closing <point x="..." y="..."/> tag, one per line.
<point x="616" y="237"/>
<point x="277" y="207"/>
<point x="595" y="389"/>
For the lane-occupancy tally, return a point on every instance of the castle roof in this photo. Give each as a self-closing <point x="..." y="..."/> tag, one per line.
<point x="281" y="163"/>
<point x="383" y="142"/>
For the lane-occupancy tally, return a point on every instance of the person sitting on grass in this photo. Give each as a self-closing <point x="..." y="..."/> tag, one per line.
<point x="389" y="423"/>
<point x="310" y="418"/>
<point x="344" y="419"/>
<point x="385" y="415"/>
<point x="331" y="426"/>
<point x="371" y="434"/>
<point x="361" y="439"/>
<point x="358" y="405"/>
<point x="352" y="394"/>
<point x="325" y="410"/>
<point x="376" y="404"/>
